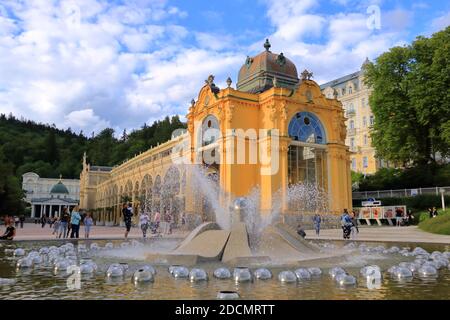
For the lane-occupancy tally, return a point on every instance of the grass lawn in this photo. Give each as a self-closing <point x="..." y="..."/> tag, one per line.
<point x="439" y="225"/>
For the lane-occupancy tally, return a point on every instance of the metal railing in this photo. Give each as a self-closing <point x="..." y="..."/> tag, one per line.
<point x="379" y="194"/>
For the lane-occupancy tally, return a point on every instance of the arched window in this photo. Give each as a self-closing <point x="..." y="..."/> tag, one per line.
<point x="306" y="127"/>
<point x="210" y="130"/>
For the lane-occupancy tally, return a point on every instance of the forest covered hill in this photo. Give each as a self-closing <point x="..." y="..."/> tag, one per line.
<point x="29" y="146"/>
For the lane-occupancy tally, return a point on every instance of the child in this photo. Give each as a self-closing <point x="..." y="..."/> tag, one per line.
<point x="143" y="221"/>
<point x="56" y="225"/>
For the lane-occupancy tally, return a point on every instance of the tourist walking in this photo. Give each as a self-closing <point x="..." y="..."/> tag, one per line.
<point x="88" y="222"/>
<point x="156" y="222"/>
<point x="16" y="221"/>
<point x="64" y="222"/>
<point x="317" y="220"/>
<point x="75" y="219"/>
<point x="10" y="231"/>
<point x="398" y="216"/>
<point x="354" y="228"/>
<point x="22" y="220"/>
<point x="143" y="222"/>
<point x="127" y="214"/>
<point x="43" y="221"/>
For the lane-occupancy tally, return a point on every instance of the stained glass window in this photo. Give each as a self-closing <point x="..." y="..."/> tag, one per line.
<point x="306" y="127"/>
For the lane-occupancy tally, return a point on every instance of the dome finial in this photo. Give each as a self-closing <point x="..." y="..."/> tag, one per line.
<point x="267" y="45"/>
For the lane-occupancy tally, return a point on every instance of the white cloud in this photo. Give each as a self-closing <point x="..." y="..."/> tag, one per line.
<point x="85" y="119"/>
<point x="441" y="22"/>
<point x="329" y="45"/>
<point x="56" y="58"/>
<point x="88" y="64"/>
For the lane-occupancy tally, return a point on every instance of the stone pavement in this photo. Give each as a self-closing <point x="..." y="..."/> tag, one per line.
<point x="33" y="231"/>
<point x="385" y="234"/>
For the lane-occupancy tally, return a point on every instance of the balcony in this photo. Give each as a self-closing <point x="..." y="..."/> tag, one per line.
<point x="351" y="131"/>
<point x="354" y="149"/>
<point x="350" y="113"/>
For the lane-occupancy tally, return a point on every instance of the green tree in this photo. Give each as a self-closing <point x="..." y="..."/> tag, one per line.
<point x="51" y="148"/>
<point x="411" y="100"/>
<point x="11" y="193"/>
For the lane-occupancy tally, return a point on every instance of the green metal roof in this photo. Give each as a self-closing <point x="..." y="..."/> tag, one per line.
<point x="59" y="188"/>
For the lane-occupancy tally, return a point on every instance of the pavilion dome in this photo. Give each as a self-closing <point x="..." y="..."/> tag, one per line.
<point x="261" y="71"/>
<point x="59" y="188"/>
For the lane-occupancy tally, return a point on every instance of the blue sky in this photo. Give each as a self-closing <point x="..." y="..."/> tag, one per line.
<point x="91" y="64"/>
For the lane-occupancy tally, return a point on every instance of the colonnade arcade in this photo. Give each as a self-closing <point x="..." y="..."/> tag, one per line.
<point x="159" y="192"/>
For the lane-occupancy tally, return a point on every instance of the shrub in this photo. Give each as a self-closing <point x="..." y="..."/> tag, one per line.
<point x="439" y="224"/>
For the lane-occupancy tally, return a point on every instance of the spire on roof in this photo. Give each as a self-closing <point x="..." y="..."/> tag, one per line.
<point x="267" y="45"/>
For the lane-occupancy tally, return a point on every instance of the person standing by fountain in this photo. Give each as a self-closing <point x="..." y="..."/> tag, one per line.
<point x="43" y="221"/>
<point x="65" y="219"/>
<point x="127" y="214"/>
<point x="75" y="219"/>
<point x="398" y="216"/>
<point x="346" y="223"/>
<point x="143" y="221"/>
<point x="156" y="221"/>
<point x="88" y="222"/>
<point x="317" y="220"/>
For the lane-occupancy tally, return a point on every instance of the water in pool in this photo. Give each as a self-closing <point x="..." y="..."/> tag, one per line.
<point x="40" y="281"/>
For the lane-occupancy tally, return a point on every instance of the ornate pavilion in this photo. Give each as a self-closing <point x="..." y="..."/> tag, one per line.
<point x="302" y="131"/>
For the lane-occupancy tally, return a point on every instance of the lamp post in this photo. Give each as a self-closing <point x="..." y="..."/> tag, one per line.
<point x="442" y="190"/>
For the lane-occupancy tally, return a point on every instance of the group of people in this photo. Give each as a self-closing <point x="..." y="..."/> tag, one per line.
<point x="158" y="224"/>
<point x="69" y="223"/>
<point x="317" y="221"/>
<point x="349" y="224"/>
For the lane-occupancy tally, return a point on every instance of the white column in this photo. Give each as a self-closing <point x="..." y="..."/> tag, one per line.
<point x="32" y="210"/>
<point x="59" y="212"/>
<point x="41" y="209"/>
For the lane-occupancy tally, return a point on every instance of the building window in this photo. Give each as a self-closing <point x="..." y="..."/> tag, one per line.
<point x="353" y="163"/>
<point x="363" y="102"/>
<point x="365" y="139"/>
<point x="371" y="120"/>
<point x="343" y="91"/>
<point x="306" y="127"/>
<point x="352" y="124"/>
<point x="364" y="122"/>
<point x="365" y="162"/>
<point x="350" y="90"/>
<point x="352" y="142"/>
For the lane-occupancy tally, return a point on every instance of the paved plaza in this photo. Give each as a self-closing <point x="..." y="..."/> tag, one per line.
<point x="32" y="231"/>
<point x="385" y="234"/>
